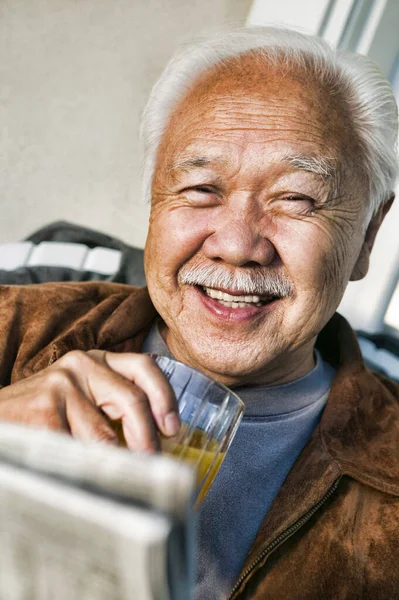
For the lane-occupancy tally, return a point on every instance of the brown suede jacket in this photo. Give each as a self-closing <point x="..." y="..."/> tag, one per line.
<point x="333" y="530"/>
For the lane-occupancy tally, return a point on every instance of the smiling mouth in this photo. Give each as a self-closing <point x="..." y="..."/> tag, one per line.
<point x="237" y="300"/>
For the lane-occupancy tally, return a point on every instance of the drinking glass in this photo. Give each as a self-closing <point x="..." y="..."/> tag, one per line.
<point x="210" y="414"/>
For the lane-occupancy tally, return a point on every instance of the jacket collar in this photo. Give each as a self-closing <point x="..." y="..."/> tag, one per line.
<point x="360" y="422"/>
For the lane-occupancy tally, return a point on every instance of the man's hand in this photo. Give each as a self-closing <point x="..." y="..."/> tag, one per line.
<point x="75" y="393"/>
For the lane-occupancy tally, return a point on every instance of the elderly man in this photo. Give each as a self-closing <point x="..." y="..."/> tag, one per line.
<point x="270" y="162"/>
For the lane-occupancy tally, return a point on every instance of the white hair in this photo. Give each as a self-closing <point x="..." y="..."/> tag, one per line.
<point x="357" y="79"/>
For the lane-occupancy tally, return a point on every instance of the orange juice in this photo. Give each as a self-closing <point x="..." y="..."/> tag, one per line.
<point x="193" y="453"/>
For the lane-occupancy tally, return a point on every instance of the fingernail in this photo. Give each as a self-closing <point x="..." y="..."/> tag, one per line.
<point x="171" y="423"/>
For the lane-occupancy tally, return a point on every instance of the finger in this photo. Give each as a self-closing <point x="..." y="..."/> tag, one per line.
<point x="129" y="404"/>
<point x="86" y="421"/>
<point x="117" y="397"/>
<point x="146" y="375"/>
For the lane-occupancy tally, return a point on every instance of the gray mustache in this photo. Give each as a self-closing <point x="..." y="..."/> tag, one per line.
<point x="254" y="280"/>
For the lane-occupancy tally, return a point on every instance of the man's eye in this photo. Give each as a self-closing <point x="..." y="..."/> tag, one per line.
<point x="295" y="198"/>
<point x="296" y="204"/>
<point x="200" y="194"/>
<point x="203" y="189"/>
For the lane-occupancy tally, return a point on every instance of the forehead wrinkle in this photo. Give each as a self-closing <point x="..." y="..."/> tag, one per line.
<point x="275" y="128"/>
<point x="265" y="119"/>
<point x="261" y="112"/>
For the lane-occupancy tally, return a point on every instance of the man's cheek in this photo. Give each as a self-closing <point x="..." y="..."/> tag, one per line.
<point x="187" y="230"/>
<point x="317" y="256"/>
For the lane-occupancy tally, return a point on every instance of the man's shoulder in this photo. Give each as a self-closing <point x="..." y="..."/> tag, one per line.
<point x="389" y="386"/>
<point x="65" y="301"/>
<point x="39" y="321"/>
<point x="70" y="290"/>
<point x="56" y="306"/>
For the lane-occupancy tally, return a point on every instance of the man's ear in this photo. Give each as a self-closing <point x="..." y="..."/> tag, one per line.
<point x="362" y="264"/>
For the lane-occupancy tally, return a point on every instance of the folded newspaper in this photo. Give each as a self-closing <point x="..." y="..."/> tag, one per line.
<point x="83" y="521"/>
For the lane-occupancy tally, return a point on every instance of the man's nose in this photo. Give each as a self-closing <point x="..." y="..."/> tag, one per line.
<point x="237" y="239"/>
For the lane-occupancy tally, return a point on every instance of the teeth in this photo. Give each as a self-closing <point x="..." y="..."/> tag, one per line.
<point x="237" y="304"/>
<point x="232" y="301"/>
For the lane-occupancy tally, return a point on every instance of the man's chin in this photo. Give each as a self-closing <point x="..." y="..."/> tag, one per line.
<point x="227" y="359"/>
<point x="231" y="370"/>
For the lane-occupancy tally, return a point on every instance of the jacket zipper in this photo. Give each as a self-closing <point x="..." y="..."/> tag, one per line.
<point x="284" y="536"/>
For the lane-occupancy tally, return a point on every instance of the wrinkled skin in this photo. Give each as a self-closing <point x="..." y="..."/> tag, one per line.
<point x="240" y="204"/>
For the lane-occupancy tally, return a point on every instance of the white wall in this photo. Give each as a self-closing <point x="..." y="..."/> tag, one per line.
<point x="74" y="76"/>
<point x="298" y="14"/>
